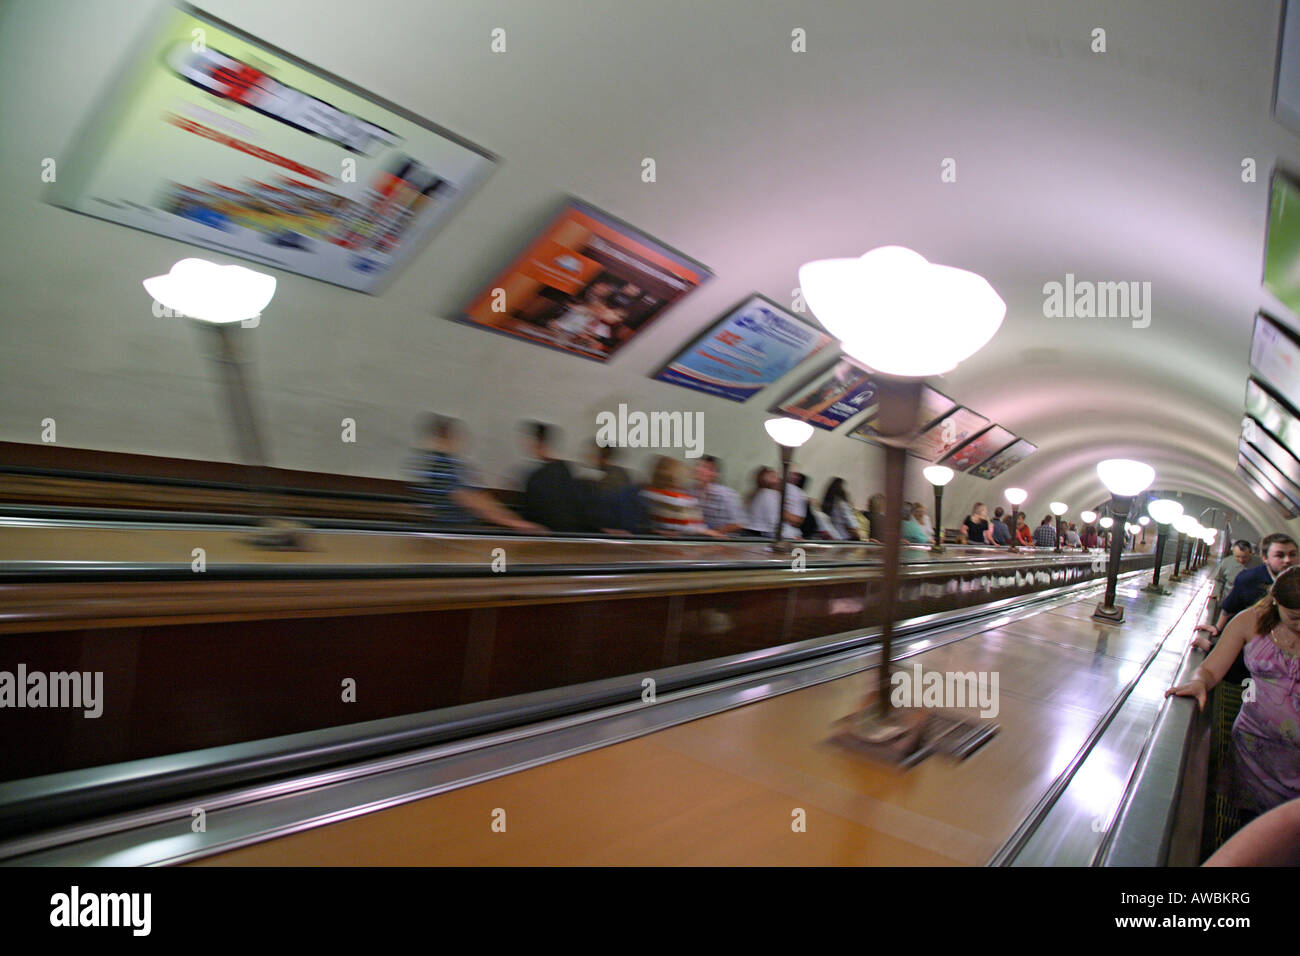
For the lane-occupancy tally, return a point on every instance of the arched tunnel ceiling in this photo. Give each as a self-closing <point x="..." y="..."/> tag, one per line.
<point x="1122" y="166"/>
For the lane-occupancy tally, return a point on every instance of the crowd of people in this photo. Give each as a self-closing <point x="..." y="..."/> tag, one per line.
<point x="680" y="499"/>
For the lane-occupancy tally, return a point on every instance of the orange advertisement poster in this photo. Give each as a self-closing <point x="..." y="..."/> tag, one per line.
<point x="588" y="284"/>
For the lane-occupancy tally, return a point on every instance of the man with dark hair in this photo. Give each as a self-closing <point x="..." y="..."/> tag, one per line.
<point x="446" y="486"/>
<point x="1001" y="533"/>
<point x="720" y="504"/>
<point x="1241" y="559"/>
<point x="552" y="496"/>
<point x="1045" y="533"/>
<point x="1251" y="586"/>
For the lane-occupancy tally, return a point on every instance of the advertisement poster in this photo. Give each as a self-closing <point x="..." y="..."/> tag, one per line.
<point x="831" y="397"/>
<point x="216" y="139"/>
<point x="751" y="347"/>
<point x="1273" y="415"/>
<point x="1282" y="247"/>
<point x="1264" y="489"/>
<point x="979" y="449"/>
<point x="934" y="405"/>
<point x="1275" y="355"/>
<point x="1003" y="460"/>
<point x="951" y="431"/>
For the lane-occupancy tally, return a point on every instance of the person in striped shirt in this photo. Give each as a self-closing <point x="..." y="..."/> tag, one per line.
<point x="673" y="510"/>
<point x="449" y="493"/>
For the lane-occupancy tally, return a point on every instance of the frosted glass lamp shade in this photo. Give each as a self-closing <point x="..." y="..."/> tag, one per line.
<point x="789" y="432"/>
<point x="938" y="475"/>
<point x="211" y="293"/>
<point x="881" y="304"/>
<point x="1124" y="477"/>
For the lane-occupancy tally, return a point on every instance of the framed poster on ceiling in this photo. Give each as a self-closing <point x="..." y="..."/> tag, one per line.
<point x="830" y="397"/>
<point x="1264" y="489"/>
<point x="587" y="284"/>
<point x="979" y="449"/>
<point x="1271" y="412"/>
<point x="749" y="348"/>
<point x="217" y="139"/>
<point x="1275" y="356"/>
<point x="1008" y="458"/>
<point x="948" y="433"/>
<point x="1282" y="239"/>
<point x="934" y="405"/>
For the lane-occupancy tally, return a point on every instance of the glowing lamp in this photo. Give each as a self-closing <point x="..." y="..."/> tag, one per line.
<point x="883" y="303"/>
<point x="208" y="292"/>
<point x="1124" y="477"/>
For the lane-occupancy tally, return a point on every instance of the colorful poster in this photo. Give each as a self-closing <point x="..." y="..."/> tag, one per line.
<point x="1003" y="460"/>
<point x="587" y="284"/>
<point x="831" y="397"/>
<point x="934" y="405"/>
<point x="214" y="138"/>
<point x="948" y="433"/>
<point x="1270" y="412"/>
<point x="751" y="347"/>
<point x="1275" y="355"/>
<point x="979" y="449"/>
<point x="1282" y="243"/>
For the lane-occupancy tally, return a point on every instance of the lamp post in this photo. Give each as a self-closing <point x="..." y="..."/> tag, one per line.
<point x="1125" y="479"/>
<point x="938" y="475"/>
<point x="1087" y="517"/>
<point x="1058" y="508"/>
<point x="789" y="434"/>
<point x="1183" y="524"/>
<point x="1162" y="512"/>
<point x="1017" y="498"/>
<point x="217" y="297"/>
<point x="1105" y="524"/>
<point x="879" y="306"/>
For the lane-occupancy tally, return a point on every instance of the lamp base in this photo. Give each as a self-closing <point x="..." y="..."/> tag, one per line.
<point x="1108" y="615"/>
<point x="277" y="536"/>
<point x="906" y="736"/>
<point x="1156" y="589"/>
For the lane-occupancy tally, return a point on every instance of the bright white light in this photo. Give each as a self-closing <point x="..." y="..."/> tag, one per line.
<point x="1016" y="496"/>
<point x="1124" y="477"/>
<point x="1164" y="510"/>
<point x="1107" y="521"/>
<point x="1184" y="524"/>
<point x="788" y="431"/>
<point x="211" y="293"/>
<point x="1213" y="533"/>
<point x="1058" y="508"/>
<point x="937" y="474"/>
<point x="882" y="304"/>
<point x="1144" y="521"/>
<point x="1088" y="516"/>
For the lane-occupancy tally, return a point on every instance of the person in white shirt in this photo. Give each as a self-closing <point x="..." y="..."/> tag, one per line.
<point x="722" y="508"/>
<point x="765" y="501"/>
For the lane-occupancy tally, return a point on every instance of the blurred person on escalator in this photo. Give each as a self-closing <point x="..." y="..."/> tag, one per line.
<point x="446" y="485"/>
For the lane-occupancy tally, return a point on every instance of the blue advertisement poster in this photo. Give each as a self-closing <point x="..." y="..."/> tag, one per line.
<point x="750" y="348"/>
<point x="831" y="397"/>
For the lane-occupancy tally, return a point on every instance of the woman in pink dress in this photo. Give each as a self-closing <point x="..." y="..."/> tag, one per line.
<point x="1266" y="734"/>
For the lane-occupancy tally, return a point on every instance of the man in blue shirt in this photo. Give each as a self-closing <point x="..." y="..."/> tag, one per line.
<point x="1001" y="534"/>
<point x="1045" y="534"/>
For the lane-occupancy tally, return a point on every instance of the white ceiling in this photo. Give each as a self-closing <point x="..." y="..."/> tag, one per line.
<point x="1122" y="166"/>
